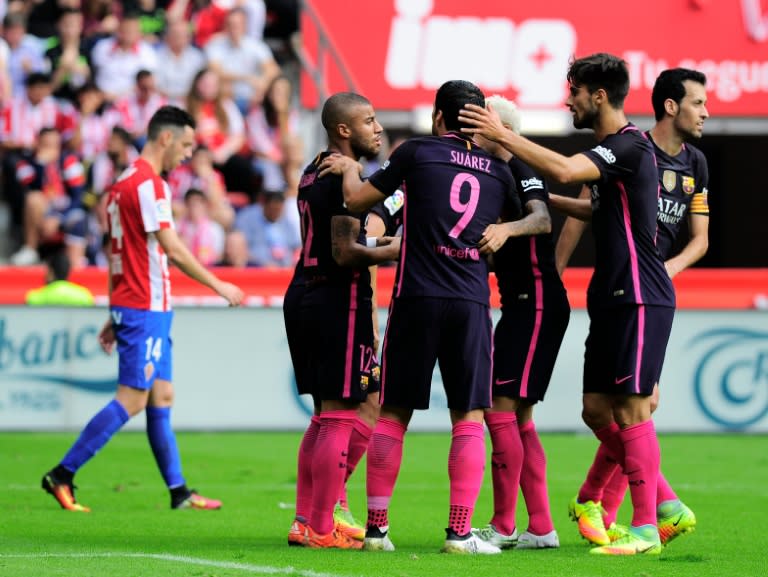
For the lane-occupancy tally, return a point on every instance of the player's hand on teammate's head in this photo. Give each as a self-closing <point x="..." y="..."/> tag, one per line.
<point x="232" y="293"/>
<point x="338" y="164"/>
<point x="482" y="121"/>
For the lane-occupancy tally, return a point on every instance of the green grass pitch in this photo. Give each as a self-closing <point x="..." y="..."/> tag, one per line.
<point x="133" y="533"/>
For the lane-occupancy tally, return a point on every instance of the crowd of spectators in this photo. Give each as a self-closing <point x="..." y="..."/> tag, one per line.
<point x="79" y="81"/>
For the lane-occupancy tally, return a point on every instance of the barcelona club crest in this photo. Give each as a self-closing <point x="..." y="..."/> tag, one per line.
<point x="689" y="184"/>
<point x="669" y="180"/>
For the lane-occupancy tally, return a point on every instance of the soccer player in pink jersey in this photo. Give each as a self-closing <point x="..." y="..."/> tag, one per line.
<point x="630" y="299"/>
<point x="340" y="367"/>
<point x="142" y="240"/>
<point x="526" y="342"/>
<point x="452" y="191"/>
<point x="679" y="102"/>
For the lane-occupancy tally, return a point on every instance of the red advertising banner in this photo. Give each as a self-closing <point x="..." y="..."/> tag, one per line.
<point x="397" y="52"/>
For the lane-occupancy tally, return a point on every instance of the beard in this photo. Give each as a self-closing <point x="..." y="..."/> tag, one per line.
<point x="363" y="149"/>
<point x="688" y="133"/>
<point x="587" y="119"/>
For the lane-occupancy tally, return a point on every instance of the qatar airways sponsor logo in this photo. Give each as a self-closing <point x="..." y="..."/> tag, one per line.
<point x="605" y="153"/>
<point x="670" y="211"/>
<point x="458" y="253"/>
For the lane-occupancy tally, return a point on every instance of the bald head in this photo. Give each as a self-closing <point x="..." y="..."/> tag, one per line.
<point x="340" y="108"/>
<point x="351" y="125"/>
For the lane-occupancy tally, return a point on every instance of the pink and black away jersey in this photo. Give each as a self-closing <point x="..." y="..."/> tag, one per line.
<point x="683" y="181"/>
<point x="525" y="265"/>
<point x="320" y="199"/>
<point x="628" y="267"/>
<point x="453" y="190"/>
<point x="139" y="205"/>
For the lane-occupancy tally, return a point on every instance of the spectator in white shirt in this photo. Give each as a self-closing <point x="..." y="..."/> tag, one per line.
<point x="246" y="62"/>
<point x="181" y="61"/>
<point x="25" y="51"/>
<point x="119" y="58"/>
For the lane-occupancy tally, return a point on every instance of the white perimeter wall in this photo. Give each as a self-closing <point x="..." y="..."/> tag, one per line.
<point x="232" y="371"/>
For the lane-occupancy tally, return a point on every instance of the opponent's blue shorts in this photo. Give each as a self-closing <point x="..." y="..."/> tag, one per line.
<point x="143" y="346"/>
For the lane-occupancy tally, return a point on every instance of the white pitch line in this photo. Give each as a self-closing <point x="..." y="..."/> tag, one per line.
<point x="258" y="569"/>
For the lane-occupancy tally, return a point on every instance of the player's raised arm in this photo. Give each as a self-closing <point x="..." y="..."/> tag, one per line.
<point x="180" y="255"/>
<point x="359" y="195"/>
<point x="580" y="207"/>
<point x="563" y="169"/>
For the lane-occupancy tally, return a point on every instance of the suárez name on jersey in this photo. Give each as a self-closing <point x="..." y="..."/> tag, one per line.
<point x="605" y="153"/>
<point x="531" y="183"/>
<point x="471" y="161"/>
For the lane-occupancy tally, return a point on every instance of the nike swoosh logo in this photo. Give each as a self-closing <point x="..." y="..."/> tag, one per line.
<point x="621" y="380"/>
<point x="676" y="523"/>
<point x="505" y="382"/>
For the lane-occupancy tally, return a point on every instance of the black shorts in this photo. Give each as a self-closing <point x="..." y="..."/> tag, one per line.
<point x="526" y="342"/>
<point x="456" y="334"/>
<point x="625" y="349"/>
<point x="297" y="344"/>
<point x="342" y="364"/>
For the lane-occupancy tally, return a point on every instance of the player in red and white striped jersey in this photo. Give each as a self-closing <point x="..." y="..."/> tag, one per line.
<point x="142" y="239"/>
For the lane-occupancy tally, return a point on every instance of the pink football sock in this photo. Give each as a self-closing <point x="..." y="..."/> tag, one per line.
<point x="304" y="476"/>
<point x="506" y="464"/>
<point x="533" y="481"/>
<point x="385" y="453"/>
<point x="328" y="466"/>
<point x="358" y="444"/>
<point x="466" y="464"/>
<point x="609" y="457"/>
<point x="613" y="495"/>
<point x="664" y="491"/>
<point x="641" y="447"/>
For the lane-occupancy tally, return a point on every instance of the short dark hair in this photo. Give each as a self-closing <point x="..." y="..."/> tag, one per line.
<point x="669" y="85"/>
<point x="35" y="78"/>
<point x="192" y="192"/>
<point x="336" y="109"/>
<point x="67" y="11"/>
<point x="58" y="263"/>
<point x="602" y="70"/>
<point x="89" y="86"/>
<point x="47" y="130"/>
<point x="142" y="74"/>
<point x="451" y="98"/>
<point x="15" y="20"/>
<point x="169" y="117"/>
<point x="123" y="135"/>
